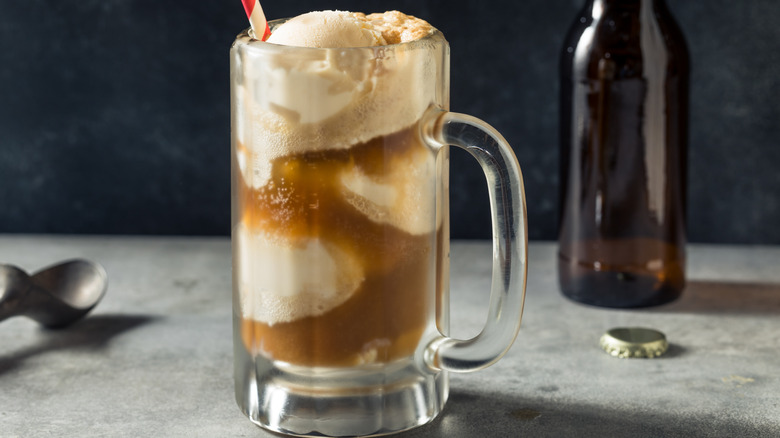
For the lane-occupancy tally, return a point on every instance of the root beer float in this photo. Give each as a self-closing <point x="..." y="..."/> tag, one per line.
<point x="334" y="194"/>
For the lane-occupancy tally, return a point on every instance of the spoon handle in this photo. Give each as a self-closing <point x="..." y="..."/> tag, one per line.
<point x="15" y="286"/>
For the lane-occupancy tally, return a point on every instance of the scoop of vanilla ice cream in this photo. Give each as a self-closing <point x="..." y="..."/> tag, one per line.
<point x="282" y="280"/>
<point x="403" y="196"/>
<point x="327" y="29"/>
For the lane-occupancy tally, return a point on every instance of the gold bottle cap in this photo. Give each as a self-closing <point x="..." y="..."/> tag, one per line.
<point x="627" y="342"/>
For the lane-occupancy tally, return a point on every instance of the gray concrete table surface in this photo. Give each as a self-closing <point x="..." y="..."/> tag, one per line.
<point x="155" y="357"/>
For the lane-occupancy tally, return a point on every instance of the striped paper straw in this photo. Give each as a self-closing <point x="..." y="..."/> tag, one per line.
<point x="257" y="18"/>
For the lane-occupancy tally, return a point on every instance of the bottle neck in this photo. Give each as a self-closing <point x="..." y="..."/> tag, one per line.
<point x="597" y="8"/>
<point x="606" y="3"/>
<point x="600" y="5"/>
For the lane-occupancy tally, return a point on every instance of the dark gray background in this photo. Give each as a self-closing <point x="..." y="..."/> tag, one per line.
<point x="114" y="114"/>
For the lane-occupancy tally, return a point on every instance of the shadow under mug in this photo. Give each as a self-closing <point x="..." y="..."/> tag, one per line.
<point x="340" y="230"/>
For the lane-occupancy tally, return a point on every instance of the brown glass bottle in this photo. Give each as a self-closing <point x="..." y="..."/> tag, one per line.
<point x="623" y="151"/>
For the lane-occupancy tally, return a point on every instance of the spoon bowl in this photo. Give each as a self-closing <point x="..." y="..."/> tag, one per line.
<point x="78" y="283"/>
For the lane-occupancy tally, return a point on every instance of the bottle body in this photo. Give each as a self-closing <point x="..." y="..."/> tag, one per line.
<point x="623" y="152"/>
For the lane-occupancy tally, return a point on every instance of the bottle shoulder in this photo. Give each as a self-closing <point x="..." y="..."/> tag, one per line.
<point x="627" y="39"/>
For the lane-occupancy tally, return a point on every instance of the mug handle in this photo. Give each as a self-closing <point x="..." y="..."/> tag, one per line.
<point x="510" y="241"/>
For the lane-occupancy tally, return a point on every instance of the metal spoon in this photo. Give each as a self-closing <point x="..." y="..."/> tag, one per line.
<point x="55" y="296"/>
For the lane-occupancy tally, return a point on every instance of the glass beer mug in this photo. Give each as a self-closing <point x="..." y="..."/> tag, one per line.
<point x="340" y="230"/>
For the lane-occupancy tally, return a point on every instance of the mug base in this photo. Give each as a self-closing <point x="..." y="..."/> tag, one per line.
<point x="362" y="401"/>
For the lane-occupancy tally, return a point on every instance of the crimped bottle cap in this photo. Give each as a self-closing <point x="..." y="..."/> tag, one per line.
<point x="628" y="342"/>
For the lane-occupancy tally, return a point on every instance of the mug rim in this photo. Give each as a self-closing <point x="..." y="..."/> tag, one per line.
<point x="247" y="37"/>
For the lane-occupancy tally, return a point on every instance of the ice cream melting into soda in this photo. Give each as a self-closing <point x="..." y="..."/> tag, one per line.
<point x="336" y="219"/>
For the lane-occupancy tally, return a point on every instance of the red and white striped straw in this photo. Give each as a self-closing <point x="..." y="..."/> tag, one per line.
<point x="257" y="18"/>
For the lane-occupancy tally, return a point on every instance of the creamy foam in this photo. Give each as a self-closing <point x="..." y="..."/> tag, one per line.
<point x="397" y="27"/>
